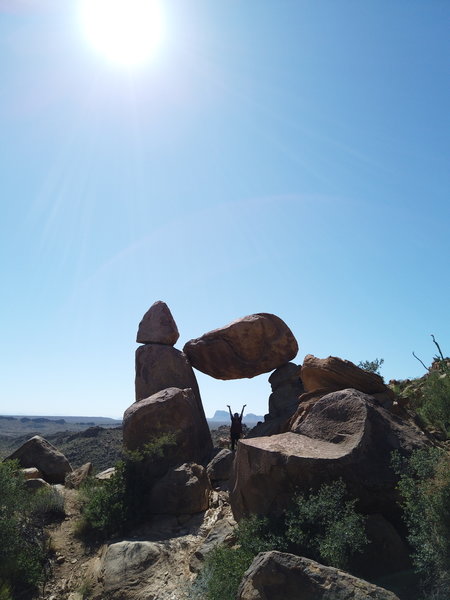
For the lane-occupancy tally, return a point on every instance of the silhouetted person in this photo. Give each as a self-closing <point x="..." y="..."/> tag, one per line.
<point x="236" y="426"/>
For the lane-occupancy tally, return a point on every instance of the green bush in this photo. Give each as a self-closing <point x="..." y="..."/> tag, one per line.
<point x="323" y="526"/>
<point x="425" y="491"/>
<point x="371" y="366"/>
<point x="112" y="506"/>
<point x="22" y="548"/>
<point x="434" y="407"/>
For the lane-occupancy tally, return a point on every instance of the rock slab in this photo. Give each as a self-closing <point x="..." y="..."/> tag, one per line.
<point x="158" y="326"/>
<point x="282" y="576"/>
<point x="247" y="347"/>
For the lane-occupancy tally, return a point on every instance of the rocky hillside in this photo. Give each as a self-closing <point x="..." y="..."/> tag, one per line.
<point x="311" y="504"/>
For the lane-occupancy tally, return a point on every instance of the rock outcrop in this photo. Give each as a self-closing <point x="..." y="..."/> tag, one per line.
<point x="78" y="476"/>
<point x="38" y="453"/>
<point x="182" y="491"/>
<point x="287" y="388"/>
<point x="282" y="576"/>
<point x="333" y="373"/>
<point x="345" y="434"/>
<point x="246" y="347"/>
<point x="171" y="410"/>
<point x="158" y="326"/>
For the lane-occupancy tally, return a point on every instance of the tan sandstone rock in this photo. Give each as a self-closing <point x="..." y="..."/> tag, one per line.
<point x="344" y="434"/>
<point x="282" y="576"/>
<point x="182" y="491"/>
<point x="333" y="373"/>
<point x="37" y="452"/>
<point x="246" y="347"/>
<point x="78" y="476"/>
<point x="172" y="410"/>
<point x="158" y="326"/>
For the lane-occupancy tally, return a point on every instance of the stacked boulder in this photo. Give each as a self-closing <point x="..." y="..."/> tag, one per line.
<point x="167" y="402"/>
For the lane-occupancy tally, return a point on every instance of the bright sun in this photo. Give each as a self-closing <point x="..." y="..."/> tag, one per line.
<point x="126" y="32"/>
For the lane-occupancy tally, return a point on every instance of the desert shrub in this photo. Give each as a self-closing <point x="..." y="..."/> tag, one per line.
<point x="22" y="548"/>
<point x="323" y="526"/>
<point x="372" y="366"/>
<point x="224" y="566"/>
<point x="434" y="406"/>
<point x="112" y="506"/>
<point x="425" y="491"/>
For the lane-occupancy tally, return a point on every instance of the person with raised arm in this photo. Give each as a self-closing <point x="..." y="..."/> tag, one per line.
<point x="236" y="426"/>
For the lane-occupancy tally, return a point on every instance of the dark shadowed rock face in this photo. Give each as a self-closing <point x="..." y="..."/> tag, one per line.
<point x="158" y="326"/>
<point x="169" y="411"/>
<point x="246" y="347"/>
<point x="282" y="576"/>
<point x="344" y="434"/>
<point x="184" y="490"/>
<point x="333" y="373"/>
<point x="219" y="468"/>
<point x="39" y="453"/>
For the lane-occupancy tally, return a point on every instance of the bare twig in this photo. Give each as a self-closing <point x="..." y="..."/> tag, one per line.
<point x="438" y="347"/>
<point x="420" y="361"/>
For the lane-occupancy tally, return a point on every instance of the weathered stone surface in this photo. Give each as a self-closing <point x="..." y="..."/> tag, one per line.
<point x="38" y="453"/>
<point x="32" y="473"/>
<point x="78" y="476"/>
<point x="219" y="467"/>
<point x="184" y="490"/>
<point x="158" y="326"/>
<point x="333" y="373"/>
<point x="169" y="411"/>
<point x="37" y="484"/>
<point x="286" y="390"/>
<point x="344" y="434"/>
<point x="125" y="561"/>
<point x="282" y="576"/>
<point x="221" y="534"/>
<point x="106" y="474"/>
<point x="246" y="347"/>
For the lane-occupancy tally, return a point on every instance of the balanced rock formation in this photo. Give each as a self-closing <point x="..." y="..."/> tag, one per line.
<point x="246" y="347"/>
<point x="172" y="410"/>
<point x="331" y="374"/>
<point x="345" y="434"/>
<point x="182" y="491"/>
<point x="158" y="326"/>
<point x="38" y="453"/>
<point x="281" y="576"/>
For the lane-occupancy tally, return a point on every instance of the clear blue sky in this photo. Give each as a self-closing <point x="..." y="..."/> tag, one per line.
<point x="279" y="156"/>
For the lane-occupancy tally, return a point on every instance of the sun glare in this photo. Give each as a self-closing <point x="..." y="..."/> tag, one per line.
<point x="126" y="32"/>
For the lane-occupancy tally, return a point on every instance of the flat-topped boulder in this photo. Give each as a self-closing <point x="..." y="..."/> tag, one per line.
<point x="158" y="326"/>
<point x="282" y="576"/>
<point x="40" y="454"/>
<point x="333" y="373"/>
<point x="246" y="347"/>
<point x="344" y="434"/>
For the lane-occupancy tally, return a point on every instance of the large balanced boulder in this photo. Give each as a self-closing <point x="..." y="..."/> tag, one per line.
<point x="172" y="410"/>
<point x="38" y="453"/>
<point x="158" y="326"/>
<point x="344" y="434"/>
<point x="184" y="490"/>
<point x="333" y="373"/>
<point x="281" y="576"/>
<point x="246" y="347"/>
